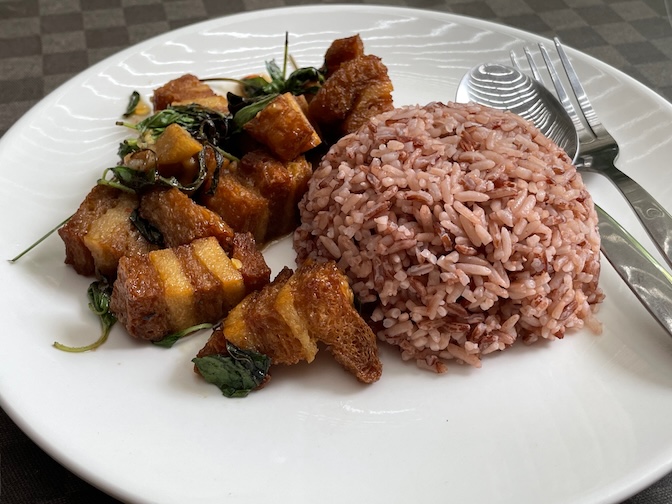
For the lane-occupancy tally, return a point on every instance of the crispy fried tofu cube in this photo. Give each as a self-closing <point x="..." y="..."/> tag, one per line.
<point x="283" y="128"/>
<point x="178" y="291"/>
<point x="254" y="269"/>
<point x="99" y="200"/>
<point x="138" y="299"/>
<point x="113" y="236"/>
<point x="373" y="100"/>
<point x="212" y="256"/>
<point x="322" y="297"/>
<point x="256" y="324"/>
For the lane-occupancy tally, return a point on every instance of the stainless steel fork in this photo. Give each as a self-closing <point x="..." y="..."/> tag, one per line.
<point x="598" y="150"/>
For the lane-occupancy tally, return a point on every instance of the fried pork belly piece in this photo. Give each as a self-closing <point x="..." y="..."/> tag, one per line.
<point x="256" y="324"/>
<point x="183" y="90"/>
<point x="357" y="91"/>
<point x="283" y="128"/>
<point x="342" y="50"/>
<point x="217" y="102"/>
<point x="241" y="206"/>
<point x="253" y="267"/>
<point x="288" y="317"/>
<point x="283" y="184"/>
<point x="181" y="220"/>
<point x="100" y="232"/>
<point x="169" y="290"/>
<point x="259" y="195"/>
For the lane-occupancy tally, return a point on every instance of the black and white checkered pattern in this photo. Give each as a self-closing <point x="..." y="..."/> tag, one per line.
<point x="45" y="42"/>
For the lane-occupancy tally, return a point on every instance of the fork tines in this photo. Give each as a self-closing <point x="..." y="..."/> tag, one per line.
<point x="586" y="129"/>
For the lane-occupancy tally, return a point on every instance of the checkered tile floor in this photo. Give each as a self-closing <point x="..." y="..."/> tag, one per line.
<point x="45" y="42"/>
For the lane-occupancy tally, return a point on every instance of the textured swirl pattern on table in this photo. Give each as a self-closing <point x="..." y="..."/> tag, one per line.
<point x="45" y="42"/>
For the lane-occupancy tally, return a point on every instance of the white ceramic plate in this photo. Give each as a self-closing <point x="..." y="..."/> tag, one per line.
<point x="582" y="420"/>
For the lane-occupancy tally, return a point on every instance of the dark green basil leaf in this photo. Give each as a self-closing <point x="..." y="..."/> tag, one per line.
<point x="132" y="103"/>
<point x="126" y="178"/>
<point x="274" y="71"/>
<point x="146" y="229"/>
<point x="248" y="112"/>
<point x="304" y="80"/>
<point x="127" y="146"/>
<point x="236" y="374"/>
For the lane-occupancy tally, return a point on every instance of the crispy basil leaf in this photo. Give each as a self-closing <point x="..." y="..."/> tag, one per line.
<point x="132" y="103"/>
<point x="128" y="146"/>
<point x="146" y="229"/>
<point x="251" y="109"/>
<point x="235" y="374"/>
<point x="99" y="294"/>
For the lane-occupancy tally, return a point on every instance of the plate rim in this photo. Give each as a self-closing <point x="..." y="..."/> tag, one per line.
<point x="50" y="98"/>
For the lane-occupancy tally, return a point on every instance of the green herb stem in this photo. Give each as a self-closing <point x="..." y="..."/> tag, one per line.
<point x="99" y="294"/>
<point x="40" y="240"/>
<point x="171" y="339"/>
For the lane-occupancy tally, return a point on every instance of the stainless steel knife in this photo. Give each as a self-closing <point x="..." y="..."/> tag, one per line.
<point x="648" y="280"/>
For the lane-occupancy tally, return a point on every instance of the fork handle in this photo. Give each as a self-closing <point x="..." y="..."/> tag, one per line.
<point x="655" y="219"/>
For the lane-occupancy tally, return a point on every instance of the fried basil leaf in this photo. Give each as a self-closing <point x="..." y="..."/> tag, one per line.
<point x="99" y="294"/>
<point x="235" y="374"/>
<point x="132" y="104"/>
<point x="146" y="229"/>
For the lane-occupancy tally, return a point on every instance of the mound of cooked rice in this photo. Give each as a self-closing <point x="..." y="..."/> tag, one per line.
<point x="465" y="226"/>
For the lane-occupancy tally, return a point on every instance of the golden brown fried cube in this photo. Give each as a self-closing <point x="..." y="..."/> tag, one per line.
<point x="254" y="269"/>
<point x="282" y="183"/>
<point x="256" y="325"/>
<point x="287" y="318"/>
<point x="342" y="50"/>
<point x="181" y="220"/>
<point x="176" y="145"/>
<point x="99" y="200"/>
<point x="169" y="290"/>
<point x="322" y="298"/>
<point x="283" y="128"/>
<point x="138" y="300"/>
<point x="185" y="89"/>
<point x="100" y="232"/>
<point x="360" y="86"/>
<point x="241" y="207"/>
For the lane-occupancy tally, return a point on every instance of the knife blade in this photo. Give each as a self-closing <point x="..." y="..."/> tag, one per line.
<point x="650" y="282"/>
